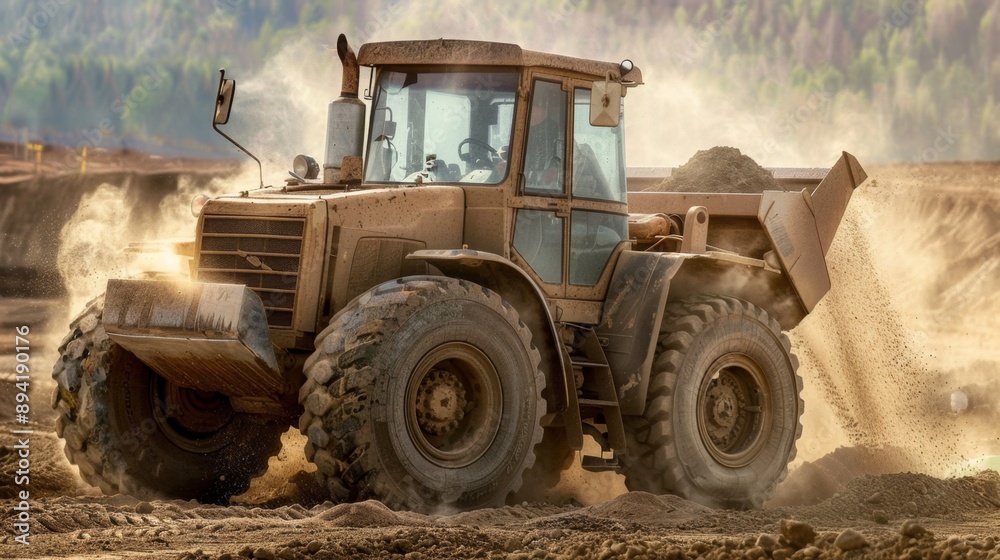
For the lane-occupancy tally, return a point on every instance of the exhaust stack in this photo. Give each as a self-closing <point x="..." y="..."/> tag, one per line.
<point x="345" y="123"/>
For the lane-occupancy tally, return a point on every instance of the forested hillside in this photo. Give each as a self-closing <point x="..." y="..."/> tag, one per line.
<point x="913" y="79"/>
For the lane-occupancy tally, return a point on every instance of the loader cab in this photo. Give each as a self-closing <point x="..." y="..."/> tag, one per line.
<point x="544" y="187"/>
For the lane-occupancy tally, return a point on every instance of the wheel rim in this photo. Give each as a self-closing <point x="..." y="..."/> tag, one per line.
<point x="454" y="404"/>
<point x="734" y="410"/>
<point x="191" y="419"/>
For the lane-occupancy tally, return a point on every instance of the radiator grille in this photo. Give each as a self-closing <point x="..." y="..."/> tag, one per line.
<point x="262" y="253"/>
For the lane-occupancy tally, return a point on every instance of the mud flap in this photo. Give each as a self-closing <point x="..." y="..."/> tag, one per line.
<point x="209" y="337"/>
<point x="631" y="321"/>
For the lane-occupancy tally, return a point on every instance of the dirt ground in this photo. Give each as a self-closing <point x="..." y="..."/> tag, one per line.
<point x="900" y="365"/>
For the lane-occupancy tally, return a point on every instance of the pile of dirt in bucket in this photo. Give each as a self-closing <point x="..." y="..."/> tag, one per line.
<point x="721" y="169"/>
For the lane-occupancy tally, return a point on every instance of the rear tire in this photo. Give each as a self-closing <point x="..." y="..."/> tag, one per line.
<point x="723" y="408"/>
<point x="423" y="392"/>
<point x="131" y="431"/>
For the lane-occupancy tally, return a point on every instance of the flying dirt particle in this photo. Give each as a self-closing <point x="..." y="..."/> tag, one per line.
<point x="959" y="401"/>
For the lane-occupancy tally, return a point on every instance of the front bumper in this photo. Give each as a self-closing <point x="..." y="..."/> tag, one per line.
<point x="209" y="337"/>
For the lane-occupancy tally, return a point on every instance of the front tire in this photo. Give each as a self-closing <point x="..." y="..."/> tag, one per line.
<point x="131" y="431"/>
<point x="423" y="392"/>
<point x="723" y="408"/>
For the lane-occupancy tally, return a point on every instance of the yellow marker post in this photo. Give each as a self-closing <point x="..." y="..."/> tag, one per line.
<point x="37" y="148"/>
<point x="83" y="161"/>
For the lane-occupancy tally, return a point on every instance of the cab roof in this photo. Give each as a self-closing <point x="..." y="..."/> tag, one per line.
<point x="478" y="53"/>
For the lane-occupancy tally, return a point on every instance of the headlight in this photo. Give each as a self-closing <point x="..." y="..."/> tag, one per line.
<point x="198" y="204"/>
<point x="305" y="167"/>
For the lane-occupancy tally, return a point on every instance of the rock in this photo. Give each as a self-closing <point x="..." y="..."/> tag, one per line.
<point x="314" y="546"/>
<point x="875" y="498"/>
<point x="225" y="556"/>
<point x="264" y="554"/>
<point x="797" y="534"/>
<point x="767" y="543"/>
<point x="849" y="540"/>
<point x="755" y="553"/>
<point x="811" y="552"/>
<point x="782" y="554"/>
<point x="920" y="488"/>
<point x="634" y="551"/>
<point x="246" y="552"/>
<point x="912" y="529"/>
<point x="880" y="516"/>
<point x="144" y="507"/>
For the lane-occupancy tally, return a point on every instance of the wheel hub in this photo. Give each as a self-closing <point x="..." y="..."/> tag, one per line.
<point x="734" y="410"/>
<point x="190" y="418"/>
<point x="454" y="402"/>
<point x="723" y="404"/>
<point x="441" y="402"/>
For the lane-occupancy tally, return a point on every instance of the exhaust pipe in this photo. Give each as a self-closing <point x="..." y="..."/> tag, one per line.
<point x="352" y="73"/>
<point x="345" y="122"/>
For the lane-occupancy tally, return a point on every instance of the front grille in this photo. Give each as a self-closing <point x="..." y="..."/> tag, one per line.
<point x="262" y="253"/>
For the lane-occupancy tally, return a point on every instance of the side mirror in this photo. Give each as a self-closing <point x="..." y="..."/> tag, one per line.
<point x="605" y="103"/>
<point x="223" y="105"/>
<point x="224" y="99"/>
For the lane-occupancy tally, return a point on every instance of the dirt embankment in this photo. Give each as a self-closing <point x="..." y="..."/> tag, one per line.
<point x="37" y="201"/>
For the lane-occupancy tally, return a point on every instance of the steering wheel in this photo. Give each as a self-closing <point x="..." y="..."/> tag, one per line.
<point x="468" y="158"/>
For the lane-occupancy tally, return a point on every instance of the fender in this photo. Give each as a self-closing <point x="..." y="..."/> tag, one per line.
<point x="643" y="283"/>
<point x="630" y="324"/>
<point x="514" y="285"/>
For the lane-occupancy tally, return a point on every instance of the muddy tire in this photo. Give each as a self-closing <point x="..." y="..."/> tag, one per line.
<point x="131" y="431"/>
<point x="424" y="393"/>
<point x="553" y="456"/>
<point x="723" y="408"/>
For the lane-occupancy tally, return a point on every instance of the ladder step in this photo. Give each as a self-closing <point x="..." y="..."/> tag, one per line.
<point x="599" y="464"/>
<point x="598" y="403"/>
<point x="585" y="363"/>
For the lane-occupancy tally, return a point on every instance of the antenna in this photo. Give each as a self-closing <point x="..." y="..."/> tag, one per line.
<point x="223" y="106"/>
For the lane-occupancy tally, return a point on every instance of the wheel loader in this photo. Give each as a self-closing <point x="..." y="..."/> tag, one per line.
<point x="470" y="286"/>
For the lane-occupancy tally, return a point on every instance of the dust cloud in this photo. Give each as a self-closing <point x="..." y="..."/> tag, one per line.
<point x="676" y="112"/>
<point x="911" y="320"/>
<point x="280" y="111"/>
<point x="91" y="245"/>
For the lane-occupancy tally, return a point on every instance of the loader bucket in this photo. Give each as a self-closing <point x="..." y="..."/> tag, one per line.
<point x="209" y="337"/>
<point x="830" y="198"/>
<point x="801" y="227"/>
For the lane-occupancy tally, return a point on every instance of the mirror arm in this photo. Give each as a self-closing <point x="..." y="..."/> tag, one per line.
<point x="215" y="126"/>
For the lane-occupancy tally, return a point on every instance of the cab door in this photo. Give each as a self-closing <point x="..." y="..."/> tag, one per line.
<point x="571" y="215"/>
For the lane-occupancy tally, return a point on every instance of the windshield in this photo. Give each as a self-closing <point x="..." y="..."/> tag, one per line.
<point x="441" y="127"/>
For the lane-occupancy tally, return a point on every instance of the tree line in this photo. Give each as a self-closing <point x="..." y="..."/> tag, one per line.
<point x="144" y="72"/>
